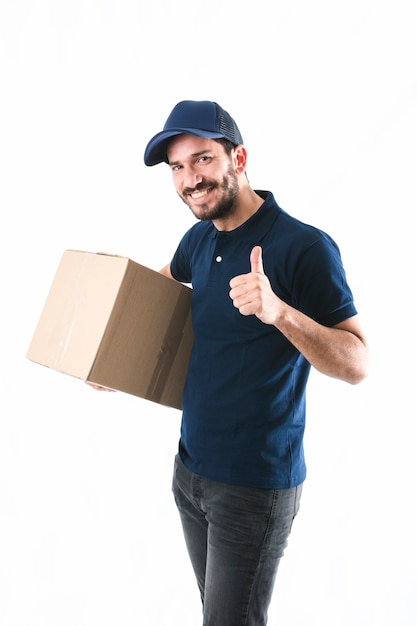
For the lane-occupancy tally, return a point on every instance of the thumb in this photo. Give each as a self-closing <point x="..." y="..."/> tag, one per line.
<point x="256" y="264"/>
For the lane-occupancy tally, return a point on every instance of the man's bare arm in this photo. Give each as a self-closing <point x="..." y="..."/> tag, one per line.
<point x="166" y="271"/>
<point x="341" y="351"/>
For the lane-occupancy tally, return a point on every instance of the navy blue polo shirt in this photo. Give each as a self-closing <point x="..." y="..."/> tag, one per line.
<point x="244" y="399"/>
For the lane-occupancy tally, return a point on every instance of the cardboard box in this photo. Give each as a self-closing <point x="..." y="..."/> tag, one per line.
<point x="112" y="322"/>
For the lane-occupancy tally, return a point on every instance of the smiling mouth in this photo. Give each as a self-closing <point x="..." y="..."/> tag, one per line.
<point x="199" y="193"/>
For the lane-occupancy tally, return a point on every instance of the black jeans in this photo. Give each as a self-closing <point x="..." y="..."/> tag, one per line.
<point x="235" y="537"/>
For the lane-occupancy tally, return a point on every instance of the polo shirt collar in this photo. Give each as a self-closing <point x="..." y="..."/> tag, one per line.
<point x="257" y="226"/>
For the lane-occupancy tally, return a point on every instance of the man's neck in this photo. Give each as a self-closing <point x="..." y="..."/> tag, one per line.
<point x="248" y="202"/>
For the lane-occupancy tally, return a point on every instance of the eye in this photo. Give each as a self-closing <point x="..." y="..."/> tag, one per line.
<point x="176" y="168"/>
<point x="203" y="159"/>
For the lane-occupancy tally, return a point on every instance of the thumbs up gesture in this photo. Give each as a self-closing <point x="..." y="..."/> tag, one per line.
<point x="252" y="294"/>
<point x="256" y="263"/>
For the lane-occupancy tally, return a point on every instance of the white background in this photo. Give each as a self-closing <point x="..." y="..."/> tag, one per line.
<point x="325" y="95"/>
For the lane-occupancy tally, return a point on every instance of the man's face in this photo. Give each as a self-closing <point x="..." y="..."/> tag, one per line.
<point x="204" y="176"/>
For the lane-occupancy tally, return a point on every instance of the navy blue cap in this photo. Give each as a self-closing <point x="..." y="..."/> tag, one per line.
<point x="190" y="117"/>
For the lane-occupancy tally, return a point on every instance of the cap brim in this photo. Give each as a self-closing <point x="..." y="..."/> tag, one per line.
<point x="156" y="150"/>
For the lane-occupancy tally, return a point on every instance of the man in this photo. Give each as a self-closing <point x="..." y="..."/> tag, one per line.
<point x="270" y="300"/>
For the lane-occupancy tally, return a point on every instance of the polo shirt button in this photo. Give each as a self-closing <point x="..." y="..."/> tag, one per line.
<point x="218" y="259"/>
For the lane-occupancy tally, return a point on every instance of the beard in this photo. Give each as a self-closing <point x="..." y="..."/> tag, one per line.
<point x="225" y="207"/>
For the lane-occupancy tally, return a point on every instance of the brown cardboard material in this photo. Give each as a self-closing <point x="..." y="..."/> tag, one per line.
<point x="112" y="322"/>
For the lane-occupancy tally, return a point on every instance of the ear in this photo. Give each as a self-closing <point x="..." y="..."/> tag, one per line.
<point x="239" y="156"/>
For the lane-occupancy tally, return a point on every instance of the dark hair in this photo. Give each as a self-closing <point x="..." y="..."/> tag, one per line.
<point x="227" y="145"/>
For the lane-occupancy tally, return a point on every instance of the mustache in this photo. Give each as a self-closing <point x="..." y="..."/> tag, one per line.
<point x="199" y="187"/>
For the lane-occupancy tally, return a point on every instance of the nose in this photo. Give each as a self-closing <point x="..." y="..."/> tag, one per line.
<point x="191" y="177"/>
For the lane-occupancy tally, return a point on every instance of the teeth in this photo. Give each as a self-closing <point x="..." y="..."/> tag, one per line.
<point x="199" y="194"/>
